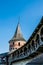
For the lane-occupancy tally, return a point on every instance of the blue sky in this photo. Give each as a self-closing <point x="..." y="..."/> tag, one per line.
<point x="30" y="12"/>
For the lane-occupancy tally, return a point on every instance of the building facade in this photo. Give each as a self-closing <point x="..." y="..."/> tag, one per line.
<point x="22" y="52"/>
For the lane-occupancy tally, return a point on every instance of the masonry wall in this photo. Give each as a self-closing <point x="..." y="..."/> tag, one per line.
<point x="23" y="62"/>
<point x="34" y="61"/>
<point x="16" y="44"/>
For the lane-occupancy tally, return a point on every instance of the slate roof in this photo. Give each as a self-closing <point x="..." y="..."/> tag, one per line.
<point x="18" y="35"/>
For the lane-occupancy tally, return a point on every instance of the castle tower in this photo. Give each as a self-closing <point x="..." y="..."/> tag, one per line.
<point x="18" y="40"/>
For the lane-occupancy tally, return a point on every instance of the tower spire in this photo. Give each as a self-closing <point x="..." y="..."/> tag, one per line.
<point x="17" y="40"/>
<point x="19" y="20"/>
<point x="18" y="34"/>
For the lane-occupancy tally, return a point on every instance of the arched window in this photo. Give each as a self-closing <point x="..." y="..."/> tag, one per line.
<point x="17" y="53"/>
<point x="25" y="50"/>
<point x="41" y="33"/>
<point x="33" y="44"/>
<point x="21" y="51"/>
<point x="29" y="46"/>
<point x="12" y="55"/>
<point x="42" y="38"/>
<point x="37" y="38"/>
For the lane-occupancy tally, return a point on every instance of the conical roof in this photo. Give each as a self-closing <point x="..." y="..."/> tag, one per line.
<point x="18" y="35"/>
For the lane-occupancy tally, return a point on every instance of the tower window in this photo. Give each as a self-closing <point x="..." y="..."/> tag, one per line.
<point x="13" y="48"/>
<point x="19" y="44"/>
<point x="13" y="43"/>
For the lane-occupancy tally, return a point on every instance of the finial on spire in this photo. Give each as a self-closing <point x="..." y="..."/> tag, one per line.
<point x="19" y="20"/>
